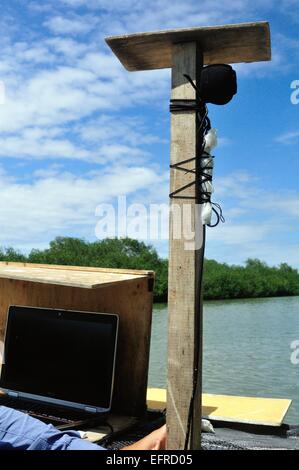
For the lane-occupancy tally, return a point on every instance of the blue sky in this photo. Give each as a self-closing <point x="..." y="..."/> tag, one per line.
<point x="77" y="130"/>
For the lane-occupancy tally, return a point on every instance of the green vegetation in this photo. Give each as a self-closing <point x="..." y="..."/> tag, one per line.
<point x="221" y="281"/>
<point x="255" y="279"/>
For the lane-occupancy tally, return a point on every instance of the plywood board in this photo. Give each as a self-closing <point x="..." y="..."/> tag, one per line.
<point x="132" y="301"/>
<point x="66" y="277"/>
<point x="244" y="42"/>
<point x="136" y="272"/>
<point x="249" y="410"/>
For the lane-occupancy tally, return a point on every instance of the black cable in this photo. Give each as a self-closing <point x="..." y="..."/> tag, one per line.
<point x="108" y="436"/>
<point x="201" y="173"/>
<point x="109" y="426"/>
<point x="197" y="352"/>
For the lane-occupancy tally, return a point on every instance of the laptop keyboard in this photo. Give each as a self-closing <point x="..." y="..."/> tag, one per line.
<point x="60" y="417"/>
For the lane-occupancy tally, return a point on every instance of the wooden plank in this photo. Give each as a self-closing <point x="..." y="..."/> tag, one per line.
<point x="237" y="409"/>
<point x="182" y="292"/>
<point x="131" y="301"/>
<point x="247" y="410"/>
<point x="244" y="42"/>
<point x="136" y="272"/>
<point x="66" y="277"/>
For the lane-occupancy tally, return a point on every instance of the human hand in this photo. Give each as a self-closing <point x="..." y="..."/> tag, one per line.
<point x="156" y="440"/>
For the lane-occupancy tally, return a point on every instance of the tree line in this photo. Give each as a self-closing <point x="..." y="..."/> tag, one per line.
<point x="221" y="281"/>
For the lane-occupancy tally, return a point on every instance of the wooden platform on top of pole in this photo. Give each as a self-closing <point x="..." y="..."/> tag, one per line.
<point x="230" y="44"/>
<point x="185" y="51"/>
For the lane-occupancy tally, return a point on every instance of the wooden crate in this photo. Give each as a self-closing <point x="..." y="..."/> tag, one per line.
<point x="127" y="293"/>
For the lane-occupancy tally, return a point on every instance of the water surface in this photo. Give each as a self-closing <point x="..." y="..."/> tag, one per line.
<point x="246" y="349"/>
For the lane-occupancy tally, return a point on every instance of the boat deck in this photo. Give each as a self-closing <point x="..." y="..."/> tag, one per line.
<point x="227" y="436"/>
<point x="240" y="423"/>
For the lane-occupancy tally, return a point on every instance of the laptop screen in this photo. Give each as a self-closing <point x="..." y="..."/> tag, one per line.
<point x="63" y="355"/>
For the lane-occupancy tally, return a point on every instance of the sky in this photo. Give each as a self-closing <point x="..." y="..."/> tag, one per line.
<point x="77" y="130"/>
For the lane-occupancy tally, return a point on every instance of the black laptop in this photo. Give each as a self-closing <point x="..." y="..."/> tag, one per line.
<point x="58" y="365"/>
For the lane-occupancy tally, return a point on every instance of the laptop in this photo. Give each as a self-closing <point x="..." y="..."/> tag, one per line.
<point x="58" y="365"/>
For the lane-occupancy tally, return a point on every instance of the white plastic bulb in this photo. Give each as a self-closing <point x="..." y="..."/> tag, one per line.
<point x="206" y="213"/>
<point x="206" y="426"/>
<point x="211" y="140"/>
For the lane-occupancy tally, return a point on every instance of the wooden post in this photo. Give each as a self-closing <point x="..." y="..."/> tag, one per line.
<point x="179" y="49"/>
<point x="183" y="284"/>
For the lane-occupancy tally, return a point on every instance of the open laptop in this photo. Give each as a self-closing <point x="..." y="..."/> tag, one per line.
<point x="58" y="365"/>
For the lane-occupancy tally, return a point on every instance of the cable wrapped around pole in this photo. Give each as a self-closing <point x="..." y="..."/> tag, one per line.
<point x="204" y="161"/>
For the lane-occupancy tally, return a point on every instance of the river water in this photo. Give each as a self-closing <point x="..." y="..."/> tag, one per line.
<point x="247" y="349"/>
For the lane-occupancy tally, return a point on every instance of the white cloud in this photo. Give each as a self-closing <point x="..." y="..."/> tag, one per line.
<point x="259" y="223"/>
<point x="240" y="234"/>
<point x="71" y="99"/>
<point x="63" y="95"/>
<point x="288" y="138"/>
<point x="290" y="8"/>
<point x="273" y="253"/>
<point x="279" y="64"/>
<point x="60" y="81"/>
<point x="49" y="172"/>
<point x="63" y="203"/>
<point x="285" y="207"/>
<point x="109" y="129"/>
<point x="29" y="145"/>
<point x="224" y="141"/>
<point x="73" y="25"/>
<point x="238" y="185"/>
<point x="157" y="14"/>
<point x="73" y="3"/>
<point x="38" y="144"/>
<point x="67" y="48"/>
<point x="125" y="16"/>
<point x="242" y="191"/>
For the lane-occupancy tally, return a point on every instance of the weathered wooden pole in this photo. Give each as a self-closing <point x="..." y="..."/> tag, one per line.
<point x="184" y="305"/>
<point x="185" y="51"/>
